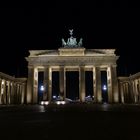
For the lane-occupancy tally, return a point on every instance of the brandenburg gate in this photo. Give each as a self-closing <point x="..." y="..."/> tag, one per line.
<point x="72" y="56"/>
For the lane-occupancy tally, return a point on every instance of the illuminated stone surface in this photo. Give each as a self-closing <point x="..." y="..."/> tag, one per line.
<point x="71" y="56"/>
<point x="73" y="59"/>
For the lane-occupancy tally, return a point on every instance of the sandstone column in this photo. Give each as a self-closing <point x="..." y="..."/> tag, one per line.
<point x="35" y="86"/>
<point x="115" y="84"/>
<point x="121" y="93"/>
<point x="124" y="91"/>
<point x="139" y="88"/>
<point x="97" y="84"/>
<point x="45" y="83"/>
<point x="131" y="91"/>
<point x="30" y="85"/>
<point x="113" y="93"/>
<point x="109" y="85"/>
<point x="47" y="95"/>
<point x="94" y="85"/>
<point x="12" y="92"/>
<point x="17" y="93"/>
<point x="8" y="92"/>
<point x="62" y="83"/>
<point x="137" y="94"/>
<point x="0" y="90"/>
<point x="4" y="92"/>
<point x="23" y="94"/>
<point x="134" y="91"/>
<point x="20" y="93"/>
<point x="82" y="83"/>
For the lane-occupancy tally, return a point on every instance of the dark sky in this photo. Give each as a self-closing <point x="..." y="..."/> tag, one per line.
<point x="101" y="25"/>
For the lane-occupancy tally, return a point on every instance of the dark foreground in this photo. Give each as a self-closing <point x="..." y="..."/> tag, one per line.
<point x="80" y="121"/>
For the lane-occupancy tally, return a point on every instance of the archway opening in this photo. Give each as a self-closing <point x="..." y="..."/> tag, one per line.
<point x="89" y="86"/>
<point x="72" y="85"/>
<point x="55" y="85"/>
<point x="104" y="86"/>
<point x="40" y="85"/>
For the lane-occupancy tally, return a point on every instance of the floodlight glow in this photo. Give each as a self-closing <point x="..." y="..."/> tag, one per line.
<point x="104" y="87"/>
<point x="46" y="102"/>
<point x="63" y="102"/>
<point x="42" y="102"/>
<point x="58" y="102"/>
<point x="54" y="96"/>
<point x="42" y="88"/>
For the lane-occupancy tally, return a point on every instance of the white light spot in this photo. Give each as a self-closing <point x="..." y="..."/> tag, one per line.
<point x="42" y="88"/>
<point x="46" y="102"/>
<point x="42" y="102"/>
<point x="104" y="87"/>
<point x="54" y="96"/>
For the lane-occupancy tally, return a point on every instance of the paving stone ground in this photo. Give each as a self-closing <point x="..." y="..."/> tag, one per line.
<point x="70" y="121"/>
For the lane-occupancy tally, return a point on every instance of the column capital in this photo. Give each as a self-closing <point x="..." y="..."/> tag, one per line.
<point x="30" y="67"/>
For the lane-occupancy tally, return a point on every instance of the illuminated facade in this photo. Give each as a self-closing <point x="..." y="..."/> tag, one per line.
<point x="12" y="90"/>
<point x="72" y="56"/>
<point x="129" y="88"/>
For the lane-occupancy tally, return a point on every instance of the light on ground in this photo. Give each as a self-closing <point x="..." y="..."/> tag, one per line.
<point x="60" y="102"/>
<point x="63" y="102"/>
<point x="44" y="102"/>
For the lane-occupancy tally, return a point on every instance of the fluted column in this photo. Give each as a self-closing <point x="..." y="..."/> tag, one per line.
<point x="17" y="93"/>
<point x="49" y="89"/>
<point x="47" y="94"/>
<point x="4" y="92"/>
<point x="113" y="84"/>
<point x="62" y="83"/>
<point x="137" y="93"/>
<point x="97" y="84"/>
<point x="20" y="93"/>
<point x="35" y="86"/>
<point x="134" y="90"/>
<point x="94" y="84"/>
<point x="82" y="83"/>
<point x="131" y="91"/>
<point x="125" y="92"/>
<point x="109" y="85"/>
<point x="23" y="94"/>
<point x="30" y="85"/>
<point x="0" y="90"/>
<point x="121" y="93"/>
<point x="45" y="84"/>
<point x="12" y="92"/>
<point x="8" y="92"/>
<point x="139" y="88"/>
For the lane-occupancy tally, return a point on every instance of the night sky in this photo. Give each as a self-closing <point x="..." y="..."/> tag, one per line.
<point x="101" y="25"/>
